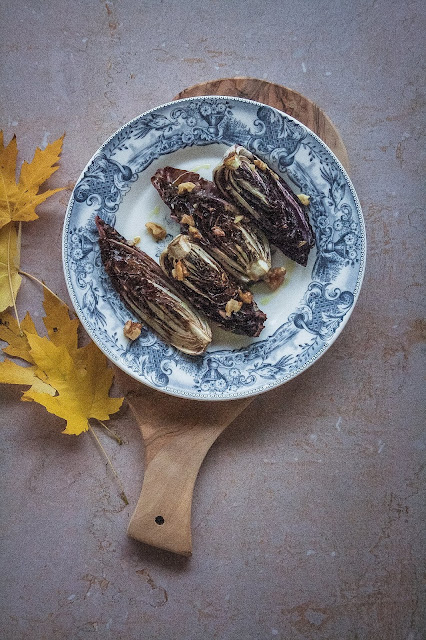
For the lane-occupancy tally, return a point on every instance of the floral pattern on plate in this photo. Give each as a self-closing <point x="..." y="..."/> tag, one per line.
<point x="304" y="321"/>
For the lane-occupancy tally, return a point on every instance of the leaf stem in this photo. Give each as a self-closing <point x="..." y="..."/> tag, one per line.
<point x="122" y="494"/>
<point x="29" y="275"/>
<point x="9" y="275"/>
<point x="111" y="432"/>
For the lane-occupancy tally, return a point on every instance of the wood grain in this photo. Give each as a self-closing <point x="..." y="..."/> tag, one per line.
<point x="178" y="433"/>
<point x="283" y="98"/>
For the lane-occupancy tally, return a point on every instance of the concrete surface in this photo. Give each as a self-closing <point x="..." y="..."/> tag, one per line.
<point x="307" y="516"/>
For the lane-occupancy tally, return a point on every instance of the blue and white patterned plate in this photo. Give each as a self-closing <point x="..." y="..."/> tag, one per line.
<point x="305" y="315"/>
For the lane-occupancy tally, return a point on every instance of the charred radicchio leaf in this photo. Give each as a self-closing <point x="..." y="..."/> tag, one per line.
<point x="144" y="288"/>
<point x="216" y="224"/>
<point x="251" y="184"/>
<point x="208" y="287"/>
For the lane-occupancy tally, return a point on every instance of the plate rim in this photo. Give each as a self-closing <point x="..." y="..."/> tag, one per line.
<point x="242" y="392"/>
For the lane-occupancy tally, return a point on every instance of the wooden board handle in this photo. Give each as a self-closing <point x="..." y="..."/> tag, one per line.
<point x="177" y="435"/>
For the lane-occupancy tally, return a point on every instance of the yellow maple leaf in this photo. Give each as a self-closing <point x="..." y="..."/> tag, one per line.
<point x="61" y="329"/>
<point x="82" y="390"/>
<point x="10" y="252"/>
<point x="19" y="200"/>
<point x="12" y="373"/>
<point x="71" y="382"/>
<point x="15" y="336"/>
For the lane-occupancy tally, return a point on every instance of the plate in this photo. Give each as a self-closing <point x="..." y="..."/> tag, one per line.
<point x="305" y="315"/>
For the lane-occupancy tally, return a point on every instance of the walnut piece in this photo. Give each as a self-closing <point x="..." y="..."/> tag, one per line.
<point x="232" y="306"/>
<point x="194" y="233"/>
<point x="232" y="161"/>
<point x="185" y="186"/>
<point x="135" y="241"/>
<point x="180" y="271"/>
<point x="132" y="330"/>
<point x="156" y="230"/>
<point x="304" y="199"/>
<point x="259" y="164"/>
<point x="187" y="219"/>
<point x="246" y="297"/>
<point x="275" y="277"/>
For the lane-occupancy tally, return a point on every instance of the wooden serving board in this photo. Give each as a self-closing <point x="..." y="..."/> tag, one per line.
<point x="178" y="433"/>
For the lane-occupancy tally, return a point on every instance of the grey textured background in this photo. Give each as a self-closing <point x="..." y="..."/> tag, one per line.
<point x="307" y="518"/>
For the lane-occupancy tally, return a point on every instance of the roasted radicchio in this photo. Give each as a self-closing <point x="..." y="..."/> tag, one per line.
<point x="150" y="295"/>
<point x="209" y="288"/>
<point x="251" y="184"/>
<point x="216" y="224"/>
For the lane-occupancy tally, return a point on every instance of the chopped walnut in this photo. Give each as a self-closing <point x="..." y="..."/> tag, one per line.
<point x="185" y="186"/>
<point x="301" y="244"/>
<point x="135" y="241"/>
<point x="180" y="271"/>
<point x="246" y="297"/>
<point x="132" y="330"/>
<point x="194" y="233"/>
<point x="187" y="219"/>
<point x="260" y="164"/>
<point x="232" y="161"/>
<point x="275" y="277"/>
<point x="156" y="230"/>
<point x="217" y="231"/>
<point x="232" y="306"/>
<point x="304" y="199"/>
<point x="238" y="219"/>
